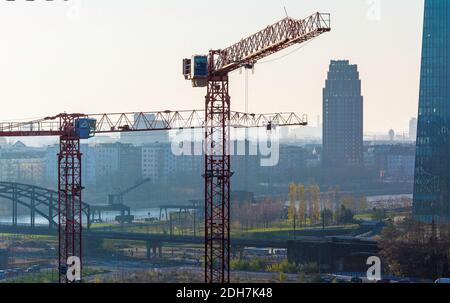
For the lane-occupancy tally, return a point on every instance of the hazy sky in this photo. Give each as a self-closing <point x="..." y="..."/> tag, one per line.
<point x="97" y="56"/>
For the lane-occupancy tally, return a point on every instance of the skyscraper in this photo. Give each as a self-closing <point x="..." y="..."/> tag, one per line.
<point x="432" y="173"/>
<point x="342" y="116"/>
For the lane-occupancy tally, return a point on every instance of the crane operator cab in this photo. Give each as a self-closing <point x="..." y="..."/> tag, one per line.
<point x="196" y="70"/>
<point x="85" y="127"/>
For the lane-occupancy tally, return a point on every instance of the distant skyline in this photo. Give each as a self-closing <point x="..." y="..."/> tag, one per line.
<point x="118" y="55"/>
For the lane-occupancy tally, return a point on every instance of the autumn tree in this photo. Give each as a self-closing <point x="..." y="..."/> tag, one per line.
<point x="292" y="201"/>
<point x="349" y="202"/>
<point x="415" y="249"/>
<point x="314" y="209"/>
<point x="302" y="206"/>
<point x="362" y="204"/>
<point x="270" y="211"/>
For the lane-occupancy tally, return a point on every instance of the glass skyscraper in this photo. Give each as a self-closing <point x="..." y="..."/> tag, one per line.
<point x="432" y="173"/>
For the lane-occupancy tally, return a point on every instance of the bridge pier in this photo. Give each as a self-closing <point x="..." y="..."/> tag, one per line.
<point x="32" y="208"/>
<point x="237" y="251"/>
<point x="14" y="205"/>
<point x="154" y="250"/>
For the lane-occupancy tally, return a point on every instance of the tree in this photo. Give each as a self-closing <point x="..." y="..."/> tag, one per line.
<point x="327" y="216"/>
<point x="349" y="203"/>
<point x="412" y="249"/>
<point x="314" y="208"/>
<point x="333" y="194"/>
<point x="292" y="200"/>
<point x="302" y="206"/>
<point x="344" y="215"/>
<point x="270" y="211"/>
<point x="363" y="205"/>
<point x="378" y="214"/>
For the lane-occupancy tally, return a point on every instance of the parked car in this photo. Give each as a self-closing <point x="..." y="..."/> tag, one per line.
<point x="326" y="279"/>
<point x="443" y="280"/>
<point x="2" y="274"/>
<point x="33" y="269"/>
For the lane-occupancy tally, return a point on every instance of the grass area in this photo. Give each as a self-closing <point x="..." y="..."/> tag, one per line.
<point x="284" y="232"/>
<point x="27" y="237"/>
<point x="103" y="225"/>
<point x="363" y="216"/>
<point x="50" y="276"/>
<point x="280" y="230"/>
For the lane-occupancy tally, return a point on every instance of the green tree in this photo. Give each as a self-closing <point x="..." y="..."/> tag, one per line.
<point x="344" y="215"/>
<point x="378" y="214"/>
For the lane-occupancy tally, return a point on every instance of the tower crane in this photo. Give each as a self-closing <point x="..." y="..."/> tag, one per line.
<point x="212" y="71"/>
<point x="71" y="128"/>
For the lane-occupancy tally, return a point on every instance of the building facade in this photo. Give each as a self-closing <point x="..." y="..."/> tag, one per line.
<point x="145" y="137"/>
<point x="19" y="163"/>
<point x="432" y="171"/>
<point x="88" y="167"/>
<point x="342" y="117"/>
<point x="158" y="162"/>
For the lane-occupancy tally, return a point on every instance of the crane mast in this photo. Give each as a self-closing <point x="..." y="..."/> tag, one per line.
<point x="211" y="71"/>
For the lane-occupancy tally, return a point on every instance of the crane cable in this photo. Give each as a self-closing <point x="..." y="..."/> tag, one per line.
<point x="290" y="53"/>
<point x="246" y="90"/>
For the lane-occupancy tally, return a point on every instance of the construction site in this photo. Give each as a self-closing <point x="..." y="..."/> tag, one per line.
<point x="209" y="71"/>
<point x="220" y="195"/>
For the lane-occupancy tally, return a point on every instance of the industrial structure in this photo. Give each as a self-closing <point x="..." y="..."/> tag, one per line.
<point x="212" y="71"/>
<point x="116" y="203"/>
<point x="71" y="128"/>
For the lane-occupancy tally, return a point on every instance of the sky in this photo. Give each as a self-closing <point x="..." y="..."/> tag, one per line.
<point x="96" y="56"/>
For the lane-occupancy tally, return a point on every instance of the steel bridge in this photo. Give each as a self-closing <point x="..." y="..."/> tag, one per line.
<point x="38" y="200"/>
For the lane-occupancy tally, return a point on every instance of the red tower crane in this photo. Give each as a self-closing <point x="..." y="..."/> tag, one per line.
<point x="212" y="71"/>
<point x="71" y="128"/>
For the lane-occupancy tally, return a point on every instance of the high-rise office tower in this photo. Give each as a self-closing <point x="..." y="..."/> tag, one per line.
<point x="342" y="116"/>
<point x="432" y="173"/>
